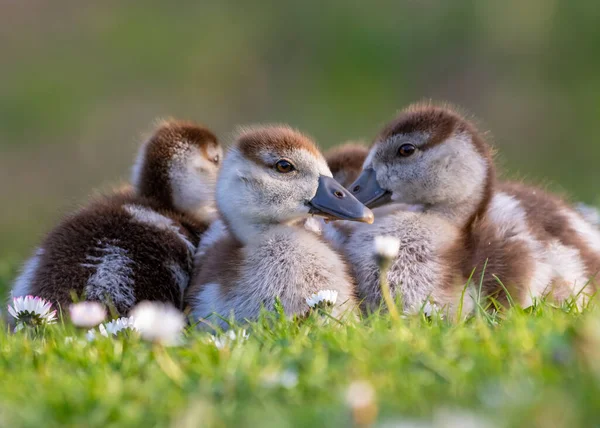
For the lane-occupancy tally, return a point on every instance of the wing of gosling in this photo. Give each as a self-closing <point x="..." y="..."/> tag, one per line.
<point x="564" y="233"/>
<point x="532" y="248"/>
<point x="115" y="253"/>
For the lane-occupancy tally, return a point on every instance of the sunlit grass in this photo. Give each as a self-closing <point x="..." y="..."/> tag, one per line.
<point x="534" y="367"/>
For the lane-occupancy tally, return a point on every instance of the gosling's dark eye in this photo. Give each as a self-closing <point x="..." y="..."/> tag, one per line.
<point x="406" y="150"/>
<point x="284" y="166"/>
<point x="216" y="159"/>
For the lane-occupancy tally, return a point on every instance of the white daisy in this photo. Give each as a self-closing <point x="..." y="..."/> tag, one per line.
<point x="430" y="308"/>
<point x="158" y="322"/>
<point x="387" y="247"/>
<point x="31" y="311"/>
<point x="228" y="338"/>
<point x="87" y="314"/>
<point x="115" y="326"/>
<point x="112" y="328"/>
<point x="323" y="297"/>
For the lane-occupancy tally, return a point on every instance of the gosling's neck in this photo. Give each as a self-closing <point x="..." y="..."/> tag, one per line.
<point x="249" y="230"/>
<point x="463" y="212"/>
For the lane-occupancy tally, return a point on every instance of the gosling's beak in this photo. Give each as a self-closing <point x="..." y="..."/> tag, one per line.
<point x="334" y="202"/>
<point x="367" y="190"/>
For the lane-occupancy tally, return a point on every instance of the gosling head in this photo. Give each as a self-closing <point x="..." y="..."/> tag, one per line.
<point x="429" y="156"/>
<point x="346" y="161"/>
<point x="276" y="175"/>
<point x="178" y="167"/>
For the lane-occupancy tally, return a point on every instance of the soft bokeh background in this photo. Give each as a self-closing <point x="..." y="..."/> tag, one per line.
<point x="80" y="82"/>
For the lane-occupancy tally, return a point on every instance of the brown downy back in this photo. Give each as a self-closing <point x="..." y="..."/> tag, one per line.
<point x="547" y="220"/>
<point x="346" y="162"/>
<point x="136" y="260"/>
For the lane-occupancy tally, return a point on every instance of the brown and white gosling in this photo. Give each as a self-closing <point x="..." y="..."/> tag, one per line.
<point x="533" y="242"/>
<point x="137" y="243"/>
<point x="271" y="178"/>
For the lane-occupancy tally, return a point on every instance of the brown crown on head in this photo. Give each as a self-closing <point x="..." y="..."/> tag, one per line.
<point x="279" y="138"/>
<point x="172" y="132"/>
<point x="346" y="161"/>
<point x="169" y="139"/>
<point x="439" y="121"/>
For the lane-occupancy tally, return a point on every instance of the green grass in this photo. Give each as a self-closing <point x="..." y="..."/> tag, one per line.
<point x="539" y="367"/>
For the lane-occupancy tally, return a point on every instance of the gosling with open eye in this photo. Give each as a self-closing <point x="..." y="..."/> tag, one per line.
<point x="514" y="237"/>
<point x="272" y="178"/>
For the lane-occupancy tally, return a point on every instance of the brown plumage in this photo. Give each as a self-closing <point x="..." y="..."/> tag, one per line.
<point x="346" y="161"/>
<point x="162" y="148"/>
<point x="258" y="252"/>
<point x="552" y="223"/>
<point x="138" y="242"/>
<point x="252" y="141"/>
<point x="497" y="246"/>
<point x="535" y="243"/>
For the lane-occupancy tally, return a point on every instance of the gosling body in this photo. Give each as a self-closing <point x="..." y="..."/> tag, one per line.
<point x="260" y="251"/>
<point x="532" y="242"/>
<point x="137" y="243"/>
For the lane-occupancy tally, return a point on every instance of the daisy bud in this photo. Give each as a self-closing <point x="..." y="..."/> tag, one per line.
<point x="158" y="322"/>
<point x="87" y="314"/>
<point x="387" y="247"/>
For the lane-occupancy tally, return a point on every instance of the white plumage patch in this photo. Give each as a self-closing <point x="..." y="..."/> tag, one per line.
<point x="147" y="216"/>
<point x="511" y="220"/>
<point x="113" y="276"/>
<point x="553" y="260"/>
<point x="23" y="282"/>
<point x="507" y="213"/>
<point x="585" y="230"/>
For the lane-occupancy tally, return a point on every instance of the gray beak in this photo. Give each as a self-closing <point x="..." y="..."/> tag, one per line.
<point x="367" y="190"/>
<point x="334" y="202"/>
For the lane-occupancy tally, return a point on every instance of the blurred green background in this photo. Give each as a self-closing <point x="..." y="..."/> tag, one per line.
<point x="81" y="82"/>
